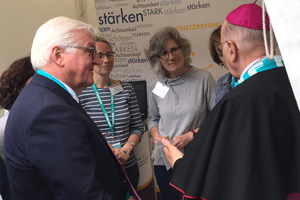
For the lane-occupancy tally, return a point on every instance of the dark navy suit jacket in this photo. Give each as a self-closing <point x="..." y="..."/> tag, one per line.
<point x="55" y="151"/>
<point x="4" y="187"/>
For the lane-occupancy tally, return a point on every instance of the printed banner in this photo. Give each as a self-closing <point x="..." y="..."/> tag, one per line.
<point x="146" y="186"/>
<point x="129" y="25"/>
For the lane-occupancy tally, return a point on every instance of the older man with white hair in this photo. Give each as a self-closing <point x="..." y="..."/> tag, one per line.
<point x="53" y="148"/>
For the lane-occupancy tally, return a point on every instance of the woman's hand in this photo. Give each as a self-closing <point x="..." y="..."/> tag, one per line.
<point x="182" y="141"/>
<point x="122" y="154"/>
<point x="158" y="138"/>
<point x="172" y="153"/>
<point x="155" y="134"/>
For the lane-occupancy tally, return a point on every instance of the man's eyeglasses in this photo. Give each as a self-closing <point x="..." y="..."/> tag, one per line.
<point x="220" y="49"/>
<point x="165" y="54"/>
<point x="109" y="55"/>
<point x="92" y="50"/>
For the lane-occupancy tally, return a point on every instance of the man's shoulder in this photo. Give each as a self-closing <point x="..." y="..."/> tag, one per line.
<point x="261" y="87"/>
<point x="269" y="80"/>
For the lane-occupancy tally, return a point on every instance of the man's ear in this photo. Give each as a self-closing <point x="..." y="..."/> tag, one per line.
<point x="57" y="55"/>
<point x="233" y="50"/>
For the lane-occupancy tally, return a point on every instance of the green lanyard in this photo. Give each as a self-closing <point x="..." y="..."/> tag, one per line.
<point x="112" y="102"/>
<point x="47" y="75"/>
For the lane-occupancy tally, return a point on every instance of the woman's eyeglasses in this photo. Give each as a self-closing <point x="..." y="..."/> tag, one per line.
<point x="174" y="51"/>
<point x="109" y="55"/>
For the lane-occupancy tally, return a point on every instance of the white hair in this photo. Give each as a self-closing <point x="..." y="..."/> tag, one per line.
<point x="59" y="31"/>
<point x="245" y="36"/>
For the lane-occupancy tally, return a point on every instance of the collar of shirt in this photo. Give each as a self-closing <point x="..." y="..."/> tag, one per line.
<point x="70" y="91"/>
<point x="251" y="65"/>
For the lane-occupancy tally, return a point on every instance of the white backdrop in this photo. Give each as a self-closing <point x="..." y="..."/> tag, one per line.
<point x="129" y="25"/>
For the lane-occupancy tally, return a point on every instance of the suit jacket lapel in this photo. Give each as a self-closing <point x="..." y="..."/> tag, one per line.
<point x="55" y="88"/>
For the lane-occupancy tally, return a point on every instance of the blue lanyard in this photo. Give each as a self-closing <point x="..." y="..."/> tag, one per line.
<point x="259" y="67"/>
<point x="47" y="75"/>
<point x="112" y="102"/>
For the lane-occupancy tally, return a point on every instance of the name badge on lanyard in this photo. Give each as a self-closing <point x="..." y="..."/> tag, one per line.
<point x="115" y="89"/>
<point x="111" y="123"/>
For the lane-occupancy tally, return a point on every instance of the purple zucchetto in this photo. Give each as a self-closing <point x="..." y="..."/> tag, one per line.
<point x="249" y="16"/>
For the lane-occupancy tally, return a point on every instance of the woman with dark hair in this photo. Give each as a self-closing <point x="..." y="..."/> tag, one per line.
<point x="223" y="83"/>
<point x="12" y="81"/>
<point x="179" y="98"/>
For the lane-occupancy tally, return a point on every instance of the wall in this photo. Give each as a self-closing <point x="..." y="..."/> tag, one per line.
<point x="19" y="21"/>
<point x="129" y="25"/>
